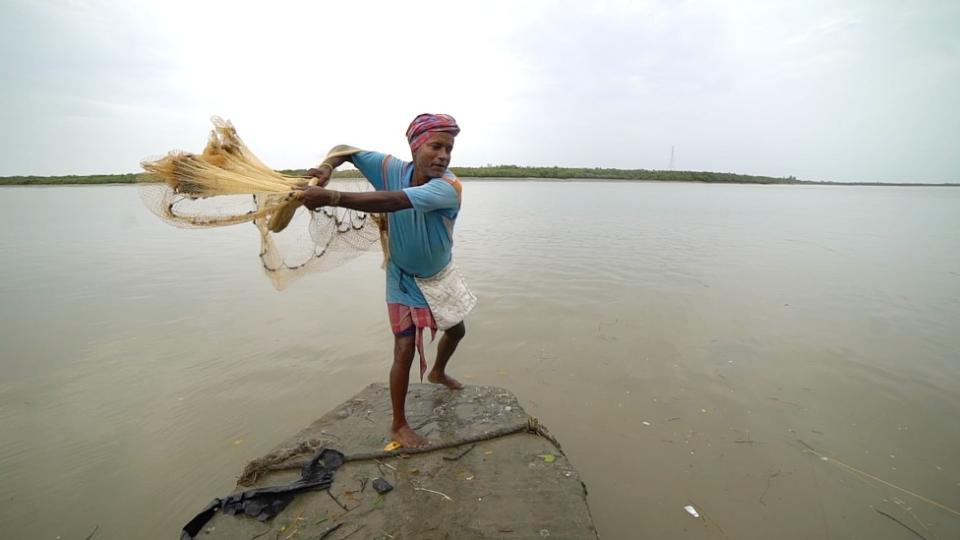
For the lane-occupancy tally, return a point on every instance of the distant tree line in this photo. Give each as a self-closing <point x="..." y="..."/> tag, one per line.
<point x="70" y="179"/>
<point x="597" y="173"/>
<point x="501" y="171"/>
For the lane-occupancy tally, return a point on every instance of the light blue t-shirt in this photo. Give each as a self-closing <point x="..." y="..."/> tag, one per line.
<point x="421" y="238"/>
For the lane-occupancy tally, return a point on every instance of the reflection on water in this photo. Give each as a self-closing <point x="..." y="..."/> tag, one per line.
<point x="681" y="340"/>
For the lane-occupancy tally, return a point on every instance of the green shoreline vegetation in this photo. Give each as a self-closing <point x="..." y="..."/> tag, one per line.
<point x="504" y="172"/>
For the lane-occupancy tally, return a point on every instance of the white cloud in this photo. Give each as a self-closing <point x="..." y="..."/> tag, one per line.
<point x="855" y="90"/>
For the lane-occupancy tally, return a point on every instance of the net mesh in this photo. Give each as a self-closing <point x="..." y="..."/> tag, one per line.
<point x="227" y="184"/>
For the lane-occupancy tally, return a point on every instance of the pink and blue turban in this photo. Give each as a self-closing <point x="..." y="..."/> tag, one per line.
<point x="425" y="124"/>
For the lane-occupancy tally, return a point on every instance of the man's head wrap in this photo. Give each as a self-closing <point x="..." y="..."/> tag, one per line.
<point x="425" y="124"/>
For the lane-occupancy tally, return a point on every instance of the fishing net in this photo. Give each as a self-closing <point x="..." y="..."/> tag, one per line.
<point x="227" y="184"/>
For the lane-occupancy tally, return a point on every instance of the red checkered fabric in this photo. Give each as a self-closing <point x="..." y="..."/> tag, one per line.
<point x="425" y="124"/>
<point x="403" y="317"/>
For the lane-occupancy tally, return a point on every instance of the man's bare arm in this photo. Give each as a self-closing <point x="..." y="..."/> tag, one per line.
<point x="378" y="201"/>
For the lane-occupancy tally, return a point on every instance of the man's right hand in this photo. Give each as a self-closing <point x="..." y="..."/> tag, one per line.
<point x="321" y="173"/>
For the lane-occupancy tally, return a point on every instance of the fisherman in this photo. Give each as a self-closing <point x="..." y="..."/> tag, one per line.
<point x="421" y="199"/>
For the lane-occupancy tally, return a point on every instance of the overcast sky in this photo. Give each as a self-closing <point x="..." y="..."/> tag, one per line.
<point x="822" y="90"/>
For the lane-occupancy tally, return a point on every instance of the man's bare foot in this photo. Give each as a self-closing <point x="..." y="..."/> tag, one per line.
<point x="445" y="380"/>
<point x="408" y="438"/>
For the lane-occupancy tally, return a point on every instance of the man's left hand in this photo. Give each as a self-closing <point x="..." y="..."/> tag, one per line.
<point x="315" y="197"/>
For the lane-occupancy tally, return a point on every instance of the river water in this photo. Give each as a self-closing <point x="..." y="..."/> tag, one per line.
<point x="681" y="340"/>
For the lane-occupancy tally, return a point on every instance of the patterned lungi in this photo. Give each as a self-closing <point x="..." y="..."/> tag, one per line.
<point x="409" y="321"/>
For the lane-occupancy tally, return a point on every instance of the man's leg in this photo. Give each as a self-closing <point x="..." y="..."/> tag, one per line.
<point x="448" y="345"/>
<point x="403" y="349"/>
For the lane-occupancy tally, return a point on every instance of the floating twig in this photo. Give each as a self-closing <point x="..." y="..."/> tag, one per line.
<point x="95" y="529"/>
<point x="882" y="481"/>
<point x="902" y="524"/>
<point x="764" y="494"/>
<point x="797" y="405"/>
<point x="600" y="334"/>
<point x="704" y="517"/>
<point x="460" y="455"/>
<point x="910" y="511"/>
